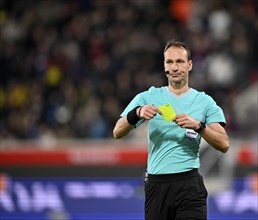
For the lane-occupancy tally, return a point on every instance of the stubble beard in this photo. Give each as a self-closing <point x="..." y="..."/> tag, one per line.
<point x="177" y="83"/>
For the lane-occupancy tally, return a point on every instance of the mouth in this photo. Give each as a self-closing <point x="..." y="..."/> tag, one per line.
<point x="174" y="75"/>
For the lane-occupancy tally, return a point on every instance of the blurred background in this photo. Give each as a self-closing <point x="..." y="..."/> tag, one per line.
<point x="69" y="68"/>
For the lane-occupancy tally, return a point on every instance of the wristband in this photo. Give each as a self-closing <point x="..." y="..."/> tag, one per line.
<point x="139" y="112"/>
<point x="132" y="116"/>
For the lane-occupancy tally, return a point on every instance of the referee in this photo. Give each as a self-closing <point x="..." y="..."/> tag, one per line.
<point x="175" y="189"/>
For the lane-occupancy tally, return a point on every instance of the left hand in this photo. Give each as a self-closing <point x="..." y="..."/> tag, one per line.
<point x="185" y="121"/>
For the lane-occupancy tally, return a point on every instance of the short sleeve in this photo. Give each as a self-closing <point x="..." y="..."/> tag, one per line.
<point x="214" y="113"/>
<point x="138" y="100"/>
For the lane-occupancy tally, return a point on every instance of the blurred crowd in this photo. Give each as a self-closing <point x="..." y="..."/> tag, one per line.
<point x="69" y="67"/>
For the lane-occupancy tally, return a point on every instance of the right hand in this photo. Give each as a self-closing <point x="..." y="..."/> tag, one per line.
<point x="148" y="112"/>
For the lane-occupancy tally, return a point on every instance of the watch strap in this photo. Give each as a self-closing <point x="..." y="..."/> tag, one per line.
<point x="202" y="127"/>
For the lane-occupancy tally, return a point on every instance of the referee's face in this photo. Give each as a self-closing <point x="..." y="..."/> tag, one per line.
<point x="178" y="65"/>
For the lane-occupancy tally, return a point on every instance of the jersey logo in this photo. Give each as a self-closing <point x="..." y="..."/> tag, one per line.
<point x="191" y="134"/>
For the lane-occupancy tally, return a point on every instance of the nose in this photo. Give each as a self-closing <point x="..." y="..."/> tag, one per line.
<point x="174" y="67"/>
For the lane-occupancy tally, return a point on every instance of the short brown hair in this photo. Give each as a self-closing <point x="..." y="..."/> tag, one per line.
<point x="174" y="43"/>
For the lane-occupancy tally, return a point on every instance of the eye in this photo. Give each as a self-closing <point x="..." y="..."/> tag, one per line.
<point x="180" y="61"/>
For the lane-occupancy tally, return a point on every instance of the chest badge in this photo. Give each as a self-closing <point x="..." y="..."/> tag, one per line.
<point x="191" y="134"/>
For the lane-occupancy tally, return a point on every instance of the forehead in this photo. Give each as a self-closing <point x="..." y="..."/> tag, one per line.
<point x="175" y="52"/>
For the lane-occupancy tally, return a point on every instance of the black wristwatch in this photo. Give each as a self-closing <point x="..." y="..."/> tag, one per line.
<point x="202" y="127"/>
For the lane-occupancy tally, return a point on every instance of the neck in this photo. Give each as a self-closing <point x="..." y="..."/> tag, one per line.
<point x="178" y="89"/>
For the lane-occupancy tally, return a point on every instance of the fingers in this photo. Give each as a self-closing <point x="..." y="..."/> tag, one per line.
<point x="149" y="111"/>
<point x="180" y="121"/>
<point x="179" y="118"/>
<point x="155" y="109"/>
<point x="158" y="110"/>
<point x="185" y="121"/>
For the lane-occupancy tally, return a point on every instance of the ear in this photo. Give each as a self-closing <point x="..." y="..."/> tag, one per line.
<point x="190" y="64"/>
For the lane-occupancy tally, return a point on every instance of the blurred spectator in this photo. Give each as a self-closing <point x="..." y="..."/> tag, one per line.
<point x="68" y="68"/>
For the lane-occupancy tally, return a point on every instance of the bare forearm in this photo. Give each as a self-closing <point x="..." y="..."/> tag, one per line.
<point x="217" y="138"/>
<point x="214" y="133"/>
<point x="122" y="128"/>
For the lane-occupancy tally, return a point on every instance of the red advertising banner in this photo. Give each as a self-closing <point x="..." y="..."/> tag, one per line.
<point x="86" y="156"/>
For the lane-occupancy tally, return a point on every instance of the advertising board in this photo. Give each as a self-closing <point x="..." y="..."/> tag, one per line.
<point x="107" y="198"/>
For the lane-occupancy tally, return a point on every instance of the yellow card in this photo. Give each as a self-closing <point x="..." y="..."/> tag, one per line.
<point x="168" y="112"/>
